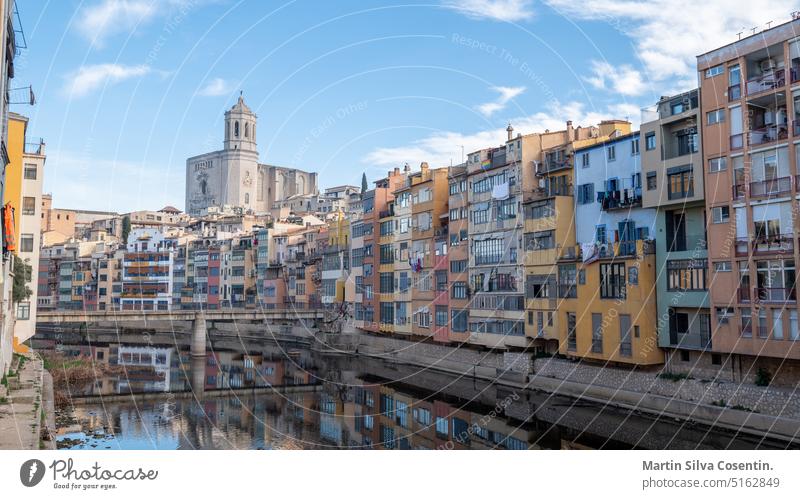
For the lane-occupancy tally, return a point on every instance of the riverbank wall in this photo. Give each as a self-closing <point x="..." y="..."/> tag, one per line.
<point x="739" y="406"/>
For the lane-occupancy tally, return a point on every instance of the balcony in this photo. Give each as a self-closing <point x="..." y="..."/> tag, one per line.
<point x="770" y="188"/>
<point x="774" y="244"/>
<point x="739" y="191"/>
<point x="621" y="199"/>
<point x="567" y="291"/>
<point x="767" y="134"/>
<point x="767" y="81"/>
<point x="778" y="295"/>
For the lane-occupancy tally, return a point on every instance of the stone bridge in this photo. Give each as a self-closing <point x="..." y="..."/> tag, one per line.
<point x="197" y="318"/>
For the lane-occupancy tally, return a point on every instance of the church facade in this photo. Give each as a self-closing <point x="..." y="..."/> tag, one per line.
<point x="234" y="177"/>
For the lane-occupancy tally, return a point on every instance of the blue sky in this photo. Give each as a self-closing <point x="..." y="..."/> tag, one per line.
<point x="128" y="89"/>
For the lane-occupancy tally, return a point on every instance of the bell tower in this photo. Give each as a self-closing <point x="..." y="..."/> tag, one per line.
<point x="240" y="127"/>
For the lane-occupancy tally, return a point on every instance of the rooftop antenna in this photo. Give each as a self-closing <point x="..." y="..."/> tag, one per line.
<point x="754" y="30"/>
<point x="740" y="34"/>
<point x="769" y="24"/>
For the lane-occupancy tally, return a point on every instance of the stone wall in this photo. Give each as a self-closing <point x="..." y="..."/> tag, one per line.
<point x="783" y="402"/>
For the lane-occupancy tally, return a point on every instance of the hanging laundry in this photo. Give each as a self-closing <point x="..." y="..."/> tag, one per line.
<point x="9" y="239"/>
<point x="501" y="191"/>
<point x="589" y="252"/>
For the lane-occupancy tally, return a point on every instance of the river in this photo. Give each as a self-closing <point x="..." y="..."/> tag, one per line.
<point x="274" y="396"/>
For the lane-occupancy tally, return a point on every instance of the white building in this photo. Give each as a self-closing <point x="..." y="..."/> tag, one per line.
<point x="233" y="176"/>
<point x="30" y="225"/>
<point x="608" y="194"/>
<point x="147" y="271"/>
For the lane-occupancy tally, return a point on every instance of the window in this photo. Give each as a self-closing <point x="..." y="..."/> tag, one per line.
<point x="30" y="172"/>
<point x="540" y="209"/>
<point x="650" y="141"/>
<point x="507" y="209"/>
<point x="540" y="240"/>
<point x="716" y="70"/>
<point x="687" y="275"/>
<point x="625" y="349"/>
<point x="722" y="267"/>
<point x="26" y="243"/>
<point x="459" y="290"/>
<point x="600" y="235"/>
<point x="585" y="193"/>
<point x="23" y="311"/>
<point x="441" y="315"/>
<point x="585" y="160"/>
<point x="481" y="215"/>
<point x="651" y="181"/>
<point x="458" y="266"/>
<point x="680" y="182"/>
<point x="611" y="151"/>
<point x="612" y="280"/>
<point x="717" y="164"/>
<point x="720" y="214"/>
<point x="716" y="116"/>
<point x="572" y="337"/>
<point x="387" y="313"/>
<point x="597" y="333"/>
<point x="441" y="280"/>
<point x="724" y="314"/>
<point x="459" y="321"/>
<point x="488" y="251"/>
<point x="634" y="147"/>
<point x="28" y="205"/>
<point x="386" y="282"/>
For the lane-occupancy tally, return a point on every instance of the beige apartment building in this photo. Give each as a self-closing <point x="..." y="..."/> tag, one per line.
<point x="750" y="115"/>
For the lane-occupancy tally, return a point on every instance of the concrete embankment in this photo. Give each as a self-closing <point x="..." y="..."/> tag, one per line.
<point x="27" y="406"/>
<point x="742" y="407"/>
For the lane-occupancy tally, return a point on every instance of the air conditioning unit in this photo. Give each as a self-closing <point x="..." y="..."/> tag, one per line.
<point x="767" y="65"/>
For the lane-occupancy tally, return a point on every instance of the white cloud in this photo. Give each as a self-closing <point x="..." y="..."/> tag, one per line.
<point x="668" y="34"/>
<point x="621" y="79"/>
<point x="216" y="87"/>
<point x="506" y="94"/>
<point x="498" y="10"/>
<point x="89" y="78"/>
<point x="439" y="149"/>
<point x="109" y="17"/>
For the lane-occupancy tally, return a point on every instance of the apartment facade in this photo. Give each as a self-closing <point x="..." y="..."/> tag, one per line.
<point x="147" y="268"/>
<point x="613" y="318"/>
<point x="750" y="110"/>
<point x="458" y="254"/>
<point x="672" y="170"/>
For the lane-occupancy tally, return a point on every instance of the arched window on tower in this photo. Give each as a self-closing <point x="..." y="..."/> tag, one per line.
<point x="236" y="129"/>
<point x="246" y="198"/>
<point x="246" y="130"/>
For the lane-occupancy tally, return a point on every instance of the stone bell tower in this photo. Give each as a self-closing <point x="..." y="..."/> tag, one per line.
<point x="240" y="127"/>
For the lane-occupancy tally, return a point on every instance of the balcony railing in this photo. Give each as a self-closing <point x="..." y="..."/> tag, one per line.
<point x="620" y="199"/>
<point x="739" y="191"/>
<point x="773" y="244"/>
<point x="769" y="81"/>
<point x="742" y="245"/>
<point x="772" y="187"/>
<point x="737" y="141"/>
<point x="767" y="134"/>
<point x="776" y="294"/>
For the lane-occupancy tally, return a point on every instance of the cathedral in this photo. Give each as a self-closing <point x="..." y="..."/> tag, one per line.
<point x="234" y="177"/>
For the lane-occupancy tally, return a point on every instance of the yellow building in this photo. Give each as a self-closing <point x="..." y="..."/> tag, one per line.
<point x="550" y="230"/>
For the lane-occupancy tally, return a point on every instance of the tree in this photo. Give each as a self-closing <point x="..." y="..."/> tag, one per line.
<point x="126" y="228"/>
<point x="22" y="274"/>
<point x="364" y="185"/>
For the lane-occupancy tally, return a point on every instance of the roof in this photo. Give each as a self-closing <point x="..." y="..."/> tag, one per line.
<point x="169" y="209"/>
<point x="240" y="106"/>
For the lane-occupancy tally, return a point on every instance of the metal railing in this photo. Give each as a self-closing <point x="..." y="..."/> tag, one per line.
<point x="769" y="81"/>
<point x="771" y="187"/>
<point x="767" y="134"/>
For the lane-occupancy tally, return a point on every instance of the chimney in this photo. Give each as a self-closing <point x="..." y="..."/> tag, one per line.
<point x="423" y="168"/>
<point x="407" y="168"/>
<point x="570" y="131"/>
<point x="510" y="131"/>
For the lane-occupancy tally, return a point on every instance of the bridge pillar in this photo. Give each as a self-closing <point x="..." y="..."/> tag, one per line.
<point x="199" y="335"/>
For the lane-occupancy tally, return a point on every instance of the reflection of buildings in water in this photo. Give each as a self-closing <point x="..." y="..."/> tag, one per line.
<point x="147" y="369"/>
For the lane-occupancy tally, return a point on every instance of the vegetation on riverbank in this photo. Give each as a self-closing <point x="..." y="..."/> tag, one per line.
<point x="73" y="375"/>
